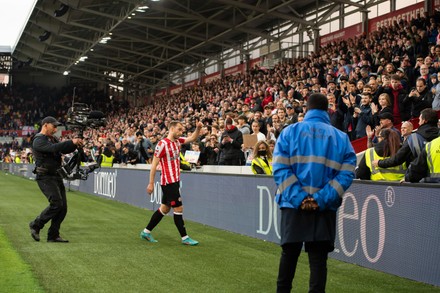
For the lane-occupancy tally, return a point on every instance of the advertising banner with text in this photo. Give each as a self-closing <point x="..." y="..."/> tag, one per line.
<point x="407" y="13"/>
<point x="386" y="227"/>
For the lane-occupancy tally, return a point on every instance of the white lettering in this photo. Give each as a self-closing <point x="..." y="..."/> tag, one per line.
<point x="156" y="197"/>
<point x="272" y="211"/>
<point x="341" y="216"/>
<point x="105" y="183"/>
<point x="382" y="231"/>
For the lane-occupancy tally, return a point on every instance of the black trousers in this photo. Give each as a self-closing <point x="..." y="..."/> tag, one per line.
<point x="55" y="192"/>
<point x="318" y="254"/>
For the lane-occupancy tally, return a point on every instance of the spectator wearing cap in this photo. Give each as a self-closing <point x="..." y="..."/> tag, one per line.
<point x="386" y="122"/>
<point x="291" y="114"/>
<point x="403" y="78"/>
<point x="420" y="98"/>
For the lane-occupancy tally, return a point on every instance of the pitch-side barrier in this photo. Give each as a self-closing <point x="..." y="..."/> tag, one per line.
<point x="384" y="226"/>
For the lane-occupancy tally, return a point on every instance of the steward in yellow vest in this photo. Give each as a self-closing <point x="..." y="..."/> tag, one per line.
<point x="184" y="164"/>
<point x="262" y="162"/>
<point x="426" y="165"/>
<point x="106" y="158"/>
<point x="388" y="174"/>
<point x="261" y="166"/>
<point x="387" y="146"/>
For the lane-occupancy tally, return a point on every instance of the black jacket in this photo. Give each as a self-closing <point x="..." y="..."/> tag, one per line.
<point x="47" y="151"/>
<point x="404" y="154"/>
<point x="419" y="103"/>
<point x="232" y="150"/>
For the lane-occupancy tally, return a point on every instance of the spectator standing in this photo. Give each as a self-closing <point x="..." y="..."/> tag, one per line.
<point x="310" y="191"/>
<point x="242" y="125"/>
<point x="143" y="148"/>
<point x="230" y="145"/>
<point x="419" y="98"/>
<point x="362" y="116"/>
<point x="401" y="107"/>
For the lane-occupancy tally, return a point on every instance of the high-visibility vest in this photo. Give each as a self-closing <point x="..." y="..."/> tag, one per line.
<point x="262" y="164"/>
<point x="107" y="161"/>
<point x="396" y="173"/>
<point x="433" y="157"/>
<point x="17" y="160"/>
<point x="184" y="164"/>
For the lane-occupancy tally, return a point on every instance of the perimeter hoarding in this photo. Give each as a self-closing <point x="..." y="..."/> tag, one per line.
<point x="387" y="227"/>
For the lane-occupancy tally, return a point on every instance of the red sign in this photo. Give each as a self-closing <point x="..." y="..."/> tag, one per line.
<point x="161" y="93"/>
<point x="191" y="83"/>
<point x="211" y="77"/>
<point x="253" y="62"/>
<point x="388" y="19"/>
<point x="343" y="34"/>
<point x="234" y="70"/>
<point x="175" y="89"/>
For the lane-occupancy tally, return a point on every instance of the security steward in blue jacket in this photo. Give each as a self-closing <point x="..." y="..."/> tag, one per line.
<point x="313" y="167"/>
<point x="47" y="151"/>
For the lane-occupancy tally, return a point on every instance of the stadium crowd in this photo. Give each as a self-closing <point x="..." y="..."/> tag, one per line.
<point x="372" y="82"/>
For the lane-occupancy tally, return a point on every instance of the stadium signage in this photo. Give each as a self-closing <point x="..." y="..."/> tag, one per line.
<point x="267" y="206"/>
<point x="351" y="210"/>
<point x="407" y="13"/>
<point x="363" y="219"/>
<point x="105" y="183"/>
<point x="156" y="196"/>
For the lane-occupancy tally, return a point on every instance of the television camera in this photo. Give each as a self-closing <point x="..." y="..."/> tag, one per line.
<point x="80" y="117"/>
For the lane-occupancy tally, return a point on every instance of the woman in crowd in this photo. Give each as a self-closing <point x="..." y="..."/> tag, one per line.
<point x="262" y="162"/>
<point x="384" y="107"/>
<point x="388" y="145"/>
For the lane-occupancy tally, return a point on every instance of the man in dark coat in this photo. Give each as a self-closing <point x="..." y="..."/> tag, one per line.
<point x="230" y="144"/>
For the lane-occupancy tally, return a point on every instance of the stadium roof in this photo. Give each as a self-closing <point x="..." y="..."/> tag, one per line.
<point x="143" y="42"/>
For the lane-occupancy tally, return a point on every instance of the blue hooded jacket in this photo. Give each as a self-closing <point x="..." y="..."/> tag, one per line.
<point x="312" y="158"/>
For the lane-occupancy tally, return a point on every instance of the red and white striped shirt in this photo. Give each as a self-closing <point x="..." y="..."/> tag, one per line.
<point x="169" y="154"/>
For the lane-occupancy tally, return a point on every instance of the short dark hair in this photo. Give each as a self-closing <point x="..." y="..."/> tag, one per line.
<point x="430" y="116"/>
<point x="317" y="101"/>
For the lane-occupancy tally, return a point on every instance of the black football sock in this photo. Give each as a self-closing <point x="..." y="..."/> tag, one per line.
<point x="155" y="219"/>
<point x="178" y="221"/>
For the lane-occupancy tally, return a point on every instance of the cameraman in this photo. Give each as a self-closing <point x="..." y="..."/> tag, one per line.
<point x="47" y="151"/>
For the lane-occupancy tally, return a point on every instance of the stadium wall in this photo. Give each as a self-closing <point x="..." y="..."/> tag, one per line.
<point x="388" y="227"/>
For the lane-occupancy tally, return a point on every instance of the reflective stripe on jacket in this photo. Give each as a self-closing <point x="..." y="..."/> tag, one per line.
<point x="262" y="164"/>
<point x="388" y="174"/>
<point x="313" y="158"/>
<point x="107" y="161"/>
<point x="433" y="158"/>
